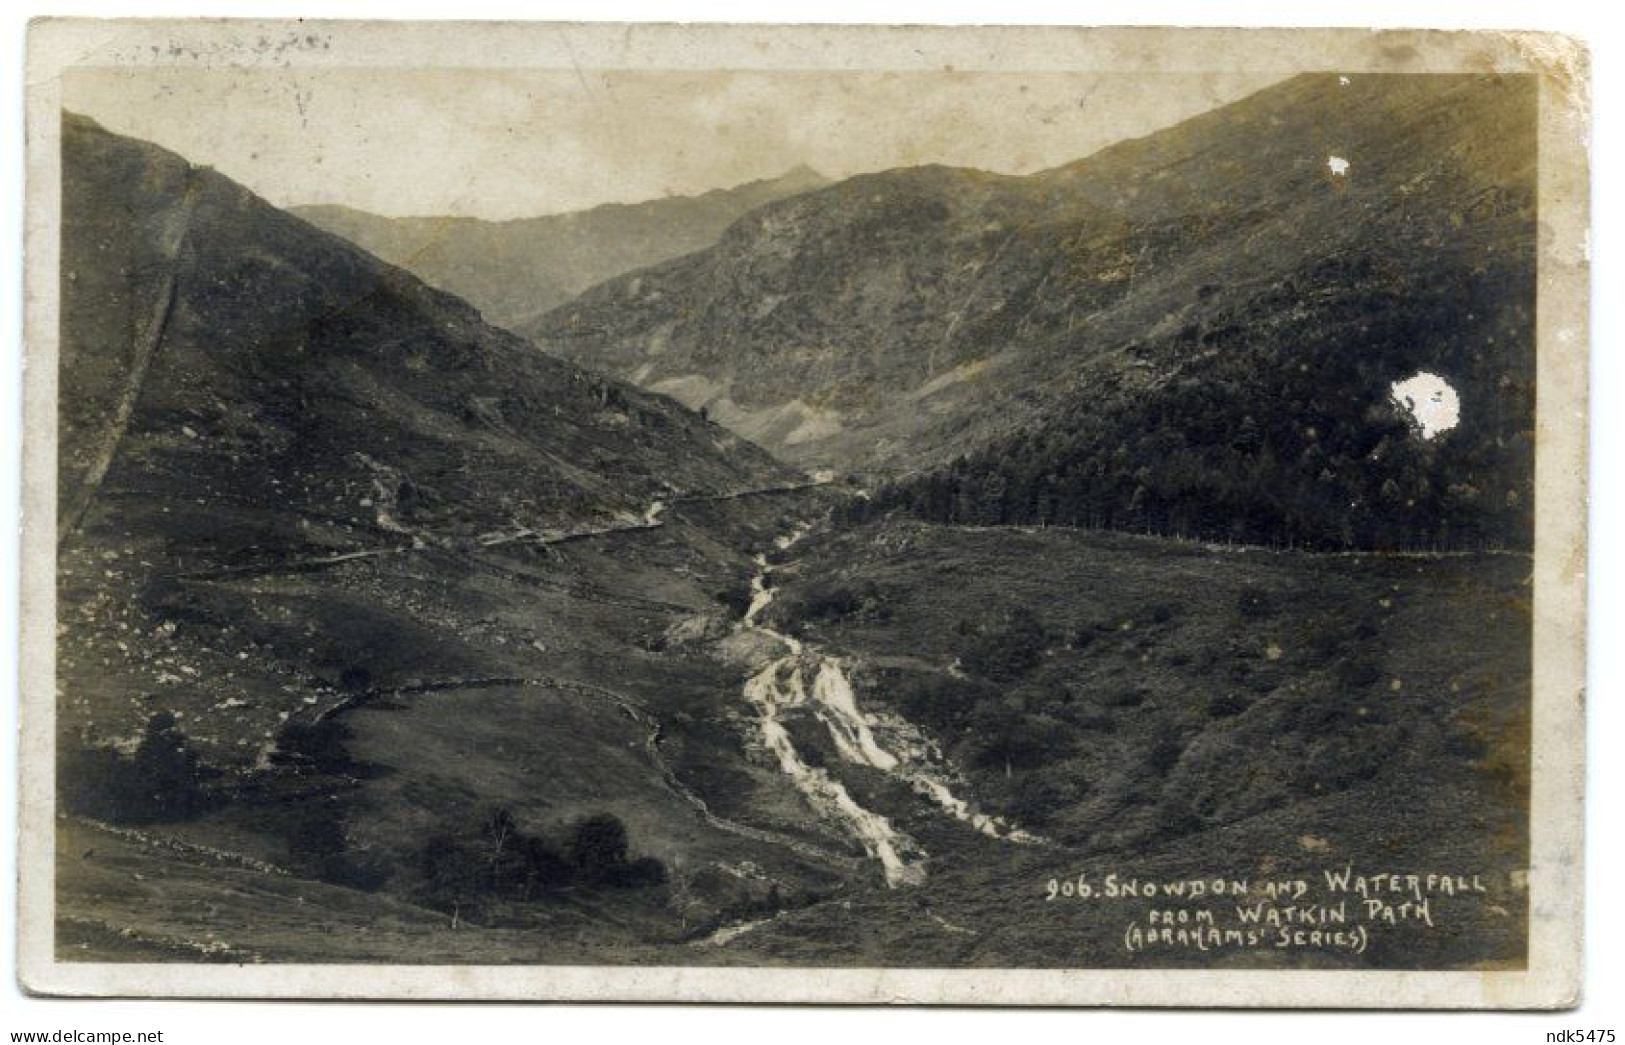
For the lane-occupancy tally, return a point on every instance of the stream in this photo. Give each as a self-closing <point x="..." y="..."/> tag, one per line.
<point x="804" y="677"/>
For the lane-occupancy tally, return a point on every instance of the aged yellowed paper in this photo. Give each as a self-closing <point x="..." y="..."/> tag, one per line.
<point x="792" y="513"/>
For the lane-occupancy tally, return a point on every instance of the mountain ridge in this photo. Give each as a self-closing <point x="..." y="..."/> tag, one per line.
<point x="894" y="323"/>
<point x="516" y="268"/>
<point x="245" y="398"/>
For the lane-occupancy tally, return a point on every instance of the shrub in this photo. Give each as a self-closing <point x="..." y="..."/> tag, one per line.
<point x="1126" y="697"/>
<point x="1163" y="754"/>
<point x="1358" y="672"/>
<point x="832" y="601"/>
<point x="355" y="679"/>
<point x="165" y="779"/>
<point x="319" y="745"/>
<point x="940" y="703"/>
<point x="1006" y="736"/>
<point x="1041" y="796"/>
<point x="318" y="845"/>
<point x="736" y="597"/>
<point x="1006" y="652"/>
<point x="641" y="873"/>
<point x="597" y="846"/>
<point x="1161" y="613"/>
<point x="467" y="870"/>
<point x="1254" y="602"/>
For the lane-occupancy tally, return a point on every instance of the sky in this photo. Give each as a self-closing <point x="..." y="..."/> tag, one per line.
<point x="504" y="143"/>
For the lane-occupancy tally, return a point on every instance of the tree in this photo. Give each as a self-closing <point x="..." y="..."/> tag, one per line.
<point x="165" y="779"/>
<point x="1006" y="652"/>
<point x="597" y="846"/>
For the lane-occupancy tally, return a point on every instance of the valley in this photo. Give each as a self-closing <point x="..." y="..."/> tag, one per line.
<point x="826" y="575"/>
<point x="715" y="759"/>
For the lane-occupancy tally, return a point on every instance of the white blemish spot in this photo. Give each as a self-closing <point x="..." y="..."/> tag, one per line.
<point x="1430" y="401"/>
<point x="1339" y="166"/>
<point x="1342" y="81"/>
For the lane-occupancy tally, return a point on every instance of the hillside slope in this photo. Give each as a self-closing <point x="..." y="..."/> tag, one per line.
<point x="1213" y="313"/>
<point x="513" y="271"/>
<point x="1153" y="707"/>
<point x="345" y="573"/>
<point x="215" y="347"/>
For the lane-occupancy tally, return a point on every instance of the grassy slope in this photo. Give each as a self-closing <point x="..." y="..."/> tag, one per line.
<point x="1440" y="786"/>
<point x="586" y="623"/>
<point x="304" y="401"/>
<point x="1224" y="761"/>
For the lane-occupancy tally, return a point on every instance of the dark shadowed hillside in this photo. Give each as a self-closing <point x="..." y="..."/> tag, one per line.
<point x="1193" y="332"/>
<point x="1144" y="702"/>
<point x="238" y="354"/>
<point x="513" y="271"/>
<point x="353" y="586"/>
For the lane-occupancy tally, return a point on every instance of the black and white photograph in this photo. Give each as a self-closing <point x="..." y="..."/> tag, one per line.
<point x="747" y="500"/>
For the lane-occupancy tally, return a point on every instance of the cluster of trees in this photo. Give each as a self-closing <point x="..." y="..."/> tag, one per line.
<point x="467" y="870"/>
<point x="986" y="715"/>
<point x="164" y="779"/>
<point x="321" y="745"/>
<point x="1273" y="423"/>
<point x="826" y="599"/>
<point x="1005" y="650"/>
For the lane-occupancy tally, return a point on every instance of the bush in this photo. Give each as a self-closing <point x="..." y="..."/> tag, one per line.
<point x="1254" y="603"/>
<point x="1041" y="796"/>
<point x="468" y="870"/>
<point x="320" y="746"/>
<point x="940" y="703"/>
<point x="832" y="601"/>
<point x="1006" y="652"/>
<point x="318" y="846"/>
<point x="597" y="846"/>
<point x="164" y="780"/>
<point x="355" y="679"/>
<point x="1006" y="736"/>
<point x="736" y="597"/>
<point x="1358" y="672"/>
<point x="641" y="873"/>
<point x="1161" y="613"/>
<point x="1163" y="754"/>
<point x="1126" y="697"/>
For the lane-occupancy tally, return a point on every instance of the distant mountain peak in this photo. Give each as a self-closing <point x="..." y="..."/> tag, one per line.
<point x="517" y="269"/>
<point x="1312" y="243"/>
<point x="802" y="174"/>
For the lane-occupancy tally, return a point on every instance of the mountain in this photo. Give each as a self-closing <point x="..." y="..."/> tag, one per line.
<point x="513" y="271"/>
<point x="1196" y="331"/>
<point x="216" y="347"/>
<point x="344" y="570"/>
<point x="384" y="637"/>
